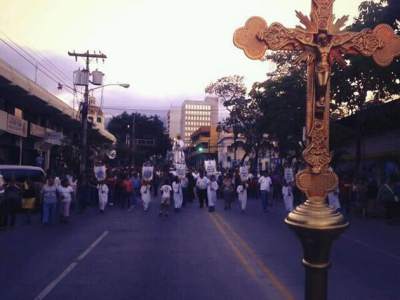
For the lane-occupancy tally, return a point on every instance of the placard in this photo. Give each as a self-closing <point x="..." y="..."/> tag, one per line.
<point x="180" y="170"/>
<point x="100" y="172"/>
<point x="17" y="126"/>
<point x="244" y="173"/>
<point x="211" y="167"/>
<point x="147" y="173"/>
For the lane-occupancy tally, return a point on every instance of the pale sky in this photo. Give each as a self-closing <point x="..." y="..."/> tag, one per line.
<point x="168" y="50"/>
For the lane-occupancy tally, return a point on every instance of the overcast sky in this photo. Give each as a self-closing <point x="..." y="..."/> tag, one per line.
<point x="167" y="50"/>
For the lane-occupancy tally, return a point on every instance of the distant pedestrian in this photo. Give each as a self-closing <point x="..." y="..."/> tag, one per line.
<point x="177" y="193"/>
<point x="13" y="200"/>
<point x="66" y="194"/>
<point x="228" y="191"/>
<point x="333" y="199"/>
<point x="145" y="192"/>
<point x="390" y="201"/>
<point x="165" y="198"/>
<point x="265" y="183"/>
<point x="103" y="190"/>
<point x="287" y="195"/>
<point x="201" y="188"/>
<point x="212" y="189"/>
<point x="28" y="199"/>
<point x="242" y="195"/>
<point x="135" y="182"/>
<point x="49" y="201"/>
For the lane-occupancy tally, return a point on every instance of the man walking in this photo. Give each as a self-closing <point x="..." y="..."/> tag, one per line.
<point x="265" y="187"/>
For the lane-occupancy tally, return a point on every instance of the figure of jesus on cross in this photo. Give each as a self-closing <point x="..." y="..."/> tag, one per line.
<point x="320" y="42"/>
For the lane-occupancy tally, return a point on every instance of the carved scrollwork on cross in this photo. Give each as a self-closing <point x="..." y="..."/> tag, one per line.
<point x="317" y="153"/>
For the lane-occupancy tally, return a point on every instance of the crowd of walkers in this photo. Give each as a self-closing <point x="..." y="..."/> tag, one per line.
<point x="124" y="188"/>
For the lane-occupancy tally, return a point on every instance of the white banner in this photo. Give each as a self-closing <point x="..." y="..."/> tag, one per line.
<point x="211" y="167"/>
<point x="180" y="170"/>
<point x="147" y="173"/>
<point x="289" y="177"/>
<point x="244" y="173"/>
<point x="100" y="173"/>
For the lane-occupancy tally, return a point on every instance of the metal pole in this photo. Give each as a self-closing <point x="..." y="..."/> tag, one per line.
<point x="85" y="108"/>
<point x="20" y="151"/>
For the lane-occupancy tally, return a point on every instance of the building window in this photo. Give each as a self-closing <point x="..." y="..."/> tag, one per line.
<point x="98" y="119"/>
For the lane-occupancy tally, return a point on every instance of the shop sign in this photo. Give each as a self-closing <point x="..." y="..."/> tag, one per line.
<point x="3" y="120"/>
<point x="53" y="137"/>
<point x="37" y="130"/>
<point x="17" y="126"/>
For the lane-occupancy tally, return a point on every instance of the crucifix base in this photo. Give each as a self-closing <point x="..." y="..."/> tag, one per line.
<point x="317" y="226"/>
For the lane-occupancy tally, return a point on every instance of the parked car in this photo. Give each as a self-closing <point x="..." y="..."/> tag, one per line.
<point x="21" y="173"/>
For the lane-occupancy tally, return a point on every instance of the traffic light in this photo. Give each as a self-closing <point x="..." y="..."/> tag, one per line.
<point x="200" y="149"/>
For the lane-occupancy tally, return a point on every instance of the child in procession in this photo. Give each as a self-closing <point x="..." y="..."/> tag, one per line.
<point x="178" y="197"/>
<point x="212" y="188"/>
<point x="287" y="195"/>
<point x="242" y="195"/>
<point x="165" y="198"/>
<point x="103" y="190"/>
<point x="145" y="194"/>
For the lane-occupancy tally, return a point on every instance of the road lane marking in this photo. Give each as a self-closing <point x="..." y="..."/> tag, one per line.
<point x="235" y="249"/>
<point x="284" y="291"/>
<point x="93" y="245"/>
<point x="47" y="290"/>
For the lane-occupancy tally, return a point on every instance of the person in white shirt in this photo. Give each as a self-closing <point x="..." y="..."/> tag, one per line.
<point x="102" y="190"/>
<point x="287" y="194"/>
<point x="242" y="195"/>
<point x="66" y="193"/>
<point x="201" y="188"/>
<point x="333" y="199"/>
<point x="165" y="198"/>
<point x="145" y="194"/>
<point x="265" y="187"/>
<point x="178" y="196"/>
<point x="212" y="188"/>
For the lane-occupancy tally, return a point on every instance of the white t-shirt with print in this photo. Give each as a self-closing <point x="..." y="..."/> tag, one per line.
<point x="65" y="192"/>
<point x="265" y="183"/>
<point x="166" y="191"/>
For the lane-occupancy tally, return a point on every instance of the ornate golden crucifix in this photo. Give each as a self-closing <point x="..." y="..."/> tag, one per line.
<point x="321" y="43"/>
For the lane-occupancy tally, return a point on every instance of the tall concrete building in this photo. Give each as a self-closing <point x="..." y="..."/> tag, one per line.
<point x="196" y="114"/>
<point x="174" y="122"/>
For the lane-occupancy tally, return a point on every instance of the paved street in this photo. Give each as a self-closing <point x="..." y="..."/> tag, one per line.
<point x="190" y="255"/>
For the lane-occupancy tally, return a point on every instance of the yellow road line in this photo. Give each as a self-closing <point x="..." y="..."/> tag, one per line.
<point x="235" y="249"/>
<point x="263" y="267"/>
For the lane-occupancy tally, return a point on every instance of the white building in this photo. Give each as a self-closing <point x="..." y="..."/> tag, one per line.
<point x="174" y="122"/>
<point x="196" y="114"/>
<point x="226" y="150"/>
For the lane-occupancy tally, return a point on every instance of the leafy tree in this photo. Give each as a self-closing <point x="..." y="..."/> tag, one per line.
<point x="145" y="127"/>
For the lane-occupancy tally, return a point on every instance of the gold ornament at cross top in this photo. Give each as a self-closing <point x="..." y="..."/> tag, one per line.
<point x="320" y="42"/>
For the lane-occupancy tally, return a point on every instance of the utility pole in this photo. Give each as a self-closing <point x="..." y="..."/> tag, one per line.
<point x="85" y="106"/>
<point x="132" y="140"/>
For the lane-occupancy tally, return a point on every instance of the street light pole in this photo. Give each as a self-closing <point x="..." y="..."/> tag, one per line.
<point x="85" y="106"/>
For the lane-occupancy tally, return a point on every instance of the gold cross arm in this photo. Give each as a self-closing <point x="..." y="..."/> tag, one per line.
<point x="256" y="37"/>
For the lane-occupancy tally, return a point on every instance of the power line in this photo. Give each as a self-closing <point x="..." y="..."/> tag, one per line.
<point x="49" y="74"/>
<point x="37" y="53"/>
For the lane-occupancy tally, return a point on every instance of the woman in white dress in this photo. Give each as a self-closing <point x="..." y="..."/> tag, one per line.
<point x="146" y="194"/>
<point x="242" y="195"/>
<point x="212" y="188"/>
<point x="178" y="197"/>
<point x="103" y="190"/>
